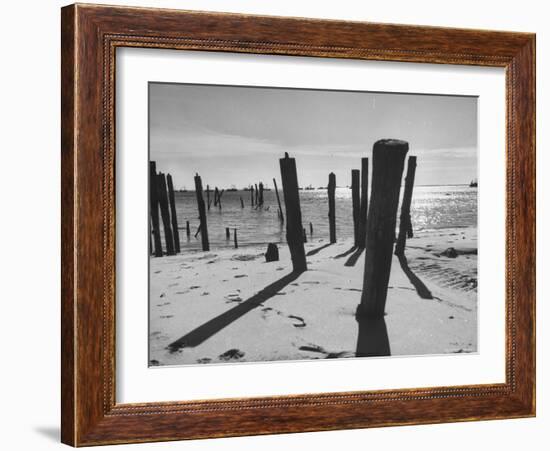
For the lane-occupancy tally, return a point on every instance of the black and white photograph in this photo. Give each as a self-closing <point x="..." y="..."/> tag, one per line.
<point x="296" y="224"/>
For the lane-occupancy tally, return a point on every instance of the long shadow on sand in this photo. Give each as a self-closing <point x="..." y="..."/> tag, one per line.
<point x="345" y="254"/>
<point x="372" y="339"/>
<point x="318" y="249"/>
<point x="212" y="327"/>
<point x="352" y="260"/>
<point x="421" y="289"/>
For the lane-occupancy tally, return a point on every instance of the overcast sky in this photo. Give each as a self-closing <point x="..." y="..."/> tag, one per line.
<point x="235" y="135"/>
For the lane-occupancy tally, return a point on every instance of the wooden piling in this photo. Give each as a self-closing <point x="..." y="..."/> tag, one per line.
<point x="165" y="214"/>
<point x="216" y="193"/>
<point x="304" y="235"/>
<point x="294" y="229"/>
<point x="220" y="194"/>
<point x="227" y="233"/>
<point x="208" y="197"/>
<point x="261" y="194"/>
<point x="363" y="210"/>
<point x="198" y="231"/>
<point x="405" y="225"/>
<point x="187" y="229"/>
<point x="154" y="207"/>
<point x="242" y="202"/>
<point x="356" y="205"/>
<point x="251" y="196"/>
<point x="310" y="229"/>
<point x="387" y="171"/>
<point x="173" y="216"/>
<point x="331" y="189"/>
<point x="202" y="213"/>
<point x="235" y="243"/>
<point x="281" y="216"/>
<point x="256" y="193"/>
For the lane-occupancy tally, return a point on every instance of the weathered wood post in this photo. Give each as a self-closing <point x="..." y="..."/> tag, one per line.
<point x="363" y="210"/>
<point x="220" y="194"/>
<point x="154" y="206"/>
<point x="256" y="193"/>
<point x="261" y="193"/>
<point x="281" y="217"/>
<point x="405" y="225"/>
<point x="310" y="229"/>
<point x="235" y="239"/>
<point x="202" y="213"/>
<point x="208" y="196"/>
<point x="251" y="196"/>
<point x="165" y="213"/>
<point x="173" y="216"/>
<point x="331" y="189"/>
<point x="294" y="229"/>
<point x="227" y="233"/>
<point x="198" y="231"/>
<point x="242" y="202"/>
<point x="188" y="229"/>
<point x="387" y="170"/>
<point x="216" y="194"/>
<point x="356" y="205"/>
<point x="304" y="235"/>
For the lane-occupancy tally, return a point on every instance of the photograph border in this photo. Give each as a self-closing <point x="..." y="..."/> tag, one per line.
<point x="90" y="36"/>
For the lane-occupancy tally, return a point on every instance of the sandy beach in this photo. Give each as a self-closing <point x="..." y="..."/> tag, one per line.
<point x="229" y="305"/>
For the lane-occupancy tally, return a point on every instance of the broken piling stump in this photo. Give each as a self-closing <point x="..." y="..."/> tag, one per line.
<point x="154" y="206"/>
<point x="387" y="171"/>
<point x="165" y="213"/>
<point x="173" y="216"/>
<point x="202" y="213"/>
<point x="405" y="224"/>
<point x="294" y="228"/>
<point x="272" y="254"/>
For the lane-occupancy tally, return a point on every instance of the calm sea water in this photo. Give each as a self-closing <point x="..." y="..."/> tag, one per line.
<point x="433" y="207"/>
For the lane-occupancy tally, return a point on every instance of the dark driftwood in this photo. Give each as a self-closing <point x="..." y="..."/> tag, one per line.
<point x="202" y="214"/>
<point x="281" y="216"/>
<point x="90" y="35"/>
<point x="405" y="224"/>
<point x="294" y="229"/>
<point x="364" y="203"/>
<point x="332" y="206"/>
<point x="154" y="209"/>
<point x="165" y="213"/>
<point x="356" y="205"/>
<point x="173" y="216"/>
<point x="388" y="159"/>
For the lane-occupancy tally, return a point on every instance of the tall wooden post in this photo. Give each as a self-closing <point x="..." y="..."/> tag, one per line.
<point x="251" y="195"/>
<point x="227" y="233"/>
<point x="363" y="210"/>
<point x="261" y="193"/>
<point x="220" y="194"/>
<point x="154" y="206"/>
<point x="356" y="205"/>
<point x="202" y="213"/>
<point x="281" y="216"/>
<point x="172" y="200"/>
<point x="256" y="193"/>
<point x="208" y="196"/>
<point x="311" y="229"/>
<point x="294" y="229"/>
<point x="387" y="170"/>
<point x="165" y="214"/>
<point x="242" y="202"/>
<point x="332" y="206"/>
<point x="235" y="243"/>
<point x="405" y="225"/>
<point x="187" y="229"/>
<point x="216" y="194"/>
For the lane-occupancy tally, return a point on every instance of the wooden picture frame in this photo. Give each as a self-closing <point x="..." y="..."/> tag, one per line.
<point x="90" y="36"/>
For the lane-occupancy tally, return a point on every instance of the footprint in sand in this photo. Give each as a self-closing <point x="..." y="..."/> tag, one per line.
<point x="233" y="298"/>
<point x="312" y="282"/>
<point x="194" y="287"/>
<point x="328" y="355"/>
<point x="206" y="293"/>
<point x="204" y="360"/>
<point x="300" y="323"/>
<point x="239" y="276"/>
<point x="166" y="316"/>
<point x="231" y="354"/>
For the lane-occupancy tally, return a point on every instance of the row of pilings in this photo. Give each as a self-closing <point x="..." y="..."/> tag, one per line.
<point x="374" y="222"/>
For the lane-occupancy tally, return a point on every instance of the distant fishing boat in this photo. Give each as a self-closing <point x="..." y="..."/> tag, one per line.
<point x="473" y="183"/>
